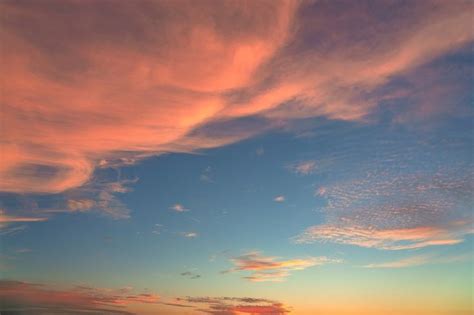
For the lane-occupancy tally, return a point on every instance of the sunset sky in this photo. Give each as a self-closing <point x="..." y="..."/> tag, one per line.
<point x="236" y="157"/>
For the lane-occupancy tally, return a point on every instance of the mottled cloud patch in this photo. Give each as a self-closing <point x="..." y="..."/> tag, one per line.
<point x="234" y="305"/>
<point x="18" y="296"/>
<point x="304" y="167"/>
<point x="390" y="210"/>
<point x="267" y="268"/>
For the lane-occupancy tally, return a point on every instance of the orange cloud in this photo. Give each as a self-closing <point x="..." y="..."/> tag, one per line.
<point x="264" y="268"/>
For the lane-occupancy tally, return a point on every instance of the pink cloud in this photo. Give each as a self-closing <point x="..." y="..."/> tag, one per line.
<point x="265" y="268"/>
<point x="119" y="92"/>
<point x="388" y="238"/>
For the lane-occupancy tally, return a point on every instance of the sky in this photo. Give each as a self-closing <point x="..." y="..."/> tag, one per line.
<point x="236" y="157"/>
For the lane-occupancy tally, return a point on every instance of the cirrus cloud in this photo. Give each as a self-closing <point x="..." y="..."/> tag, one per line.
<point x="266" y="268"/>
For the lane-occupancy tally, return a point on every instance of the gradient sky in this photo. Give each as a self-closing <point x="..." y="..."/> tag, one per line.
<point x="236" y="157"/>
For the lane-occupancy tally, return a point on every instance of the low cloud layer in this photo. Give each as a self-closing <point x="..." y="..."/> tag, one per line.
<point x="234" y="305"/>
<point x="32" y="298"/>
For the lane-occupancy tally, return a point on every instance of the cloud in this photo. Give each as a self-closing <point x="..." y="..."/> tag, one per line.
<point x="4" y="231"/>
<point x="206" y="175"/>
<point x="172" y="69"/>
<point x="388" y="239"/>
<point x="18" y="296"/>
<point x="190" y="234"/>
<point x="420" y="260"/>
<point x="170" y="80"/>
<point x="4" y="219"/>
<point x="279" y="198"/>
<point x="179" y="208"/>
<point x="264" y="268"/>
<point x="234" y="305"/>
<point x="402" y="263"/>
<point x="23" y="250"/>
<point x="303" y="168"/>
<point x="9" y="223"/>
<point x="157" y="229"/>
<point x="190" y="275"/>
<point x="382" y="206"/>
<point x="99" y="195"/>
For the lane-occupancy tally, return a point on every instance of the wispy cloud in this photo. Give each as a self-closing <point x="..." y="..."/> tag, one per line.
<point x="304" y="167"/>
<point x="421" y="260"/>
<point x="189" y="234"/>
<point x="9" y="223"/>
<point x="190" y="275"/>
<point x="179" y="208"/>
<point x="24" y="296"/>
<point x="206" y="175"/>
<point x="403" y="263"/>
<point x="280" y="198"/>
<point x="4" y="219"/>
<point x="11" y="230"/>
<point x="267" y="268"/>
<point x="388" y="239"/>
<point x="235" y="305"/>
